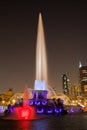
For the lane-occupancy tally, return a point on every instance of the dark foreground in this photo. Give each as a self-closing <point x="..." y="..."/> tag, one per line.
<point x="66" y="122"/>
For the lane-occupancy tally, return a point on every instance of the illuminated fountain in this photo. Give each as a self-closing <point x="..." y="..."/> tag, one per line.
<point x="39" y="103"/>
<point x="21" y="111"/>
<point x="41" y="59"/>
<point x="40" y="88"/>
<point x="25" y="112"/>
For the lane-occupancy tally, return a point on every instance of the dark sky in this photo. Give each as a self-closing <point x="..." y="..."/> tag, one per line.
<point x="65" y="25"/>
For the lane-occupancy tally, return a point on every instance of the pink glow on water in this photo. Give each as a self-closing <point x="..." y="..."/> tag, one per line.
<point x="25" y="113"/>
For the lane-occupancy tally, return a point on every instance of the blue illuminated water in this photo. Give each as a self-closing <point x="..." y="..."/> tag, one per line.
<point x="66" y="122"/>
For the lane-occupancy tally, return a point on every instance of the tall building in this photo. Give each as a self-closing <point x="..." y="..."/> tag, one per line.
<point x="65" y="84"/>
<point x="83" y="79"/>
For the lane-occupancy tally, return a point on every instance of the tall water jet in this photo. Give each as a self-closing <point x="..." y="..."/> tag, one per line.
<point x="41" y="59"/>
<point x="26" y="97"/>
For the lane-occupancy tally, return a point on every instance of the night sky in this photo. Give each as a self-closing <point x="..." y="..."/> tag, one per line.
<point x="65" y="26"/>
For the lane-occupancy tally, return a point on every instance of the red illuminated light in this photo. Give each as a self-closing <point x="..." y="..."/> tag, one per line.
<point x="25" y="113"/>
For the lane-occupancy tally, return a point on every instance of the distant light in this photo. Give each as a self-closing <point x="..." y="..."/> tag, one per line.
<point x="37" y="103"/>
<point x="56" y="110"/>
<point x="49" y="111"/>
<point x="80" y="64"/>
<point x="71" y="110"/>
<point x="3" y="101"/>
<point x="31" y="103"/>
<point x="60" y="110"/>
<point x="40" y="111"/>
<point x="13" y="101"/>
<point x="44" y="102"/>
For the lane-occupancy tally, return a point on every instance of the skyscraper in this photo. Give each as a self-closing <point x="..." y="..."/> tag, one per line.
<point x="65" y="84"/>
<point x="83" y="79"/>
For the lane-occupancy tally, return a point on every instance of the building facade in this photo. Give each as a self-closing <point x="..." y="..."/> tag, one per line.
<point x="83" y="79"/>
<point x="65" y="84"/>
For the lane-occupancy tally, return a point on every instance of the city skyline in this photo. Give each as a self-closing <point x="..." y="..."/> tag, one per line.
<point x="65" y="26"/>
